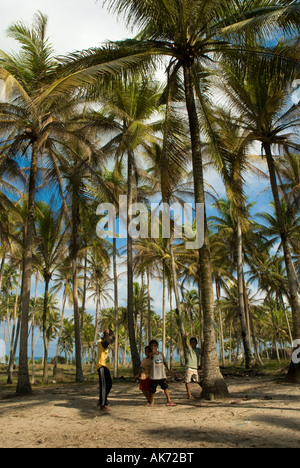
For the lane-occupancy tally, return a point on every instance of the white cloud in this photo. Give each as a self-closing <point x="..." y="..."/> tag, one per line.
<point x="72" y="24"/>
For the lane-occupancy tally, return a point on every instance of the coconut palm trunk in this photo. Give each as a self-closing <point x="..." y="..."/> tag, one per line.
<point x="294" y="370"/>
<point x="116" y="308"/>
<point x="94" y="354"/>
<point x="15" y="336"/>
<point x="164" y="311"/>
<point x="177" y="299"/>
<point x="292" y="282"/>
<point x="213" y="381"/>
<point x="218" y="296"/>
<point x="74" y="255"/>
<point x="131" y="326"/>
<point x="148" y="307"/>
<point x="23" y="385"/>
<point x="60" y="331"/>
<point x="2" y="269"/>
<point x="47" y="277"/>
<point x="242" y="309"/>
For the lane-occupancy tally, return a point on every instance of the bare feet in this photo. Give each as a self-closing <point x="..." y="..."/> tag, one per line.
<point x="104" y="409"/>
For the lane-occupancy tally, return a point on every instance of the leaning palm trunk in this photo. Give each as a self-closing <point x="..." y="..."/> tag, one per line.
<point x="74" y="254"/>
<point x="149" y="307"/>
<point x="45" y="337"/>
<point x="249" y="314"/>
<point x="23" y="385"/>
<point x="177" y="299"/>
<point x="2" y="269"/>
<point x="94" y="353"/>
<point x="131" y="329"/>
<point x="164" y="312"/>
<point x="218" y="296"/>
<point x="292" y="282"/>
<point x="116" y="309"/>
<point x="242" y="309"/>
<point x="60" y="331"/>
<point x="213" y="381"/>
<point x="15" y="335"/>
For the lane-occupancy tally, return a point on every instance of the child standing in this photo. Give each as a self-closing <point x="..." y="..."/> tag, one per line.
<point x="192" y="365"/>
<point x="158" y="376"/>
<point x="144" y="374"/>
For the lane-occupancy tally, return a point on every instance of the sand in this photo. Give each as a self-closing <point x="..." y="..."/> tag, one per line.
<point x="262" y="412"/>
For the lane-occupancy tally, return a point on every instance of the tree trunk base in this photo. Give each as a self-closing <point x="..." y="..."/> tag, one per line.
<point x="23" y="389"/>
<point x="215" y="390"/>
<point x="293" y="374"/>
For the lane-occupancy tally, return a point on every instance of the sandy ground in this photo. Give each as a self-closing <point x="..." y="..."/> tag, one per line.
<point x="262" y="412"/>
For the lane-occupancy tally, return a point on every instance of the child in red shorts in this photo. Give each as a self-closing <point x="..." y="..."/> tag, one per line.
<point x="144" y="374"/>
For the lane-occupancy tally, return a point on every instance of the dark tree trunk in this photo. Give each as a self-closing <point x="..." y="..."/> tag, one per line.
<point x="23" y="385"/>
<point x="74" y="255"/>
<point x="136" y="361"/>
<point x="213" y="381"/>
<point x="294" y="371"/>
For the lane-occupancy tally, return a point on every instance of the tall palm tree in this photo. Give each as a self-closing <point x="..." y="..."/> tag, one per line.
<point x="29" y="126"/>
<point x="26" y="129"/>
<point x="51" y="248"/>
<point x="170" y="169"/>
<point x="62" y="279"/>
<point x="129" y="107"/>
<point x="66" y="340"/>
<point x="72" y="165"/>
<point x="259" y="90"/>
<point x="114" y="184"/>
<point x="288" y="169"/>
<point x="188" y="33"/>
<point x="51" y="325"/>
<point x="228" y="226"/>
<point x="37" y="93"/>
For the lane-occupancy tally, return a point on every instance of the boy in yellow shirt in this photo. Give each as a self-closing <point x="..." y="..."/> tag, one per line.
<point x="105" y="381"/>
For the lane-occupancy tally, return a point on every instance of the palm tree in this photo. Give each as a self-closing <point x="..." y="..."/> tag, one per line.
<point x="229" y="228"/>
<point x="189" y="33"/>
<point x="66" y="340"/>
<point x="260" y="92"/>
<point x="269" y="272"/>
<point x="51" y="248"/>
<point x="88" y="334"/>
<point x="114" y="184"/>
<point x="72" y="165"/>
<point x="37" y="94"/>
<point x="31" y="118"/>
<point x="191" y="306"/>
<point x="51" y="325"/>
<point x="170" y="164"/>
<point x="128" y="107"/>
<point x="288" y="169"/>
<point x="26" y="128"/>
<point x="62" y="280"/>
